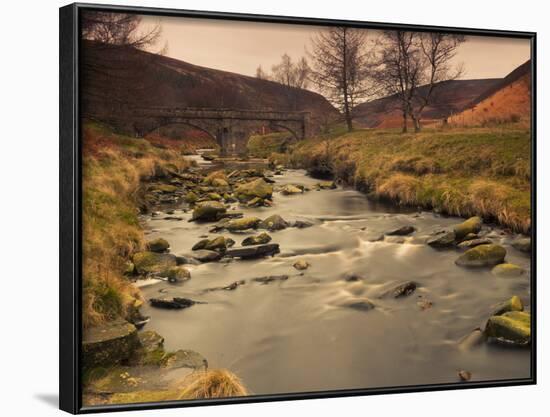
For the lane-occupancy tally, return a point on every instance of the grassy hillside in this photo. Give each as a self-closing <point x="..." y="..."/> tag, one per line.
<point x="112" y="168"/>
<point x="511" y="103"/>
<point x="457" y="171"/>
<point x="110" y="78"/>
<point x="449" y="97"/>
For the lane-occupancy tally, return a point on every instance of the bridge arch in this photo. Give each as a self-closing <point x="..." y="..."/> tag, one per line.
<point x="230" y="128"/>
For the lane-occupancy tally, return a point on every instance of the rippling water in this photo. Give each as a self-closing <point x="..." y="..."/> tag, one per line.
<point x="291" y="336"/>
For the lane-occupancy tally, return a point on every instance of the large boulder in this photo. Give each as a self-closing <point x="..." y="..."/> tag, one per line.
<point x="257" y="251"/>
<point x="260" y="239"/>
<point x="213" y="176"/>
<point x="290" y="189"/>
<point x="176" y="274"/>
<point x="482" y="255"/>
<point x="472" y="225"/>
<point x="446" y="239"/>
<point x="109" y="344"/>
<point x="245" y="223"/>
<point x="219" y="244"/>
<point x="402" y="289"/>
<point x="152" y="262"/>
<point x="158" y="245"/>
<point x="472" y="243"/>
<point x="205" y="255"/>
<point x="274" y="222"/>
<point x="512" y="328"/>
<point x="507" y="270"/>
<point x="402" y="231"/>
<point x="208" y="211"/>
<point x="257" y="188"/>
<point x="522" y="244"/>
<point x="513" y="304"/>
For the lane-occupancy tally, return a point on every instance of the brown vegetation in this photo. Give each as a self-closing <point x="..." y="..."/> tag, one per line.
<point x="112" y="168"/>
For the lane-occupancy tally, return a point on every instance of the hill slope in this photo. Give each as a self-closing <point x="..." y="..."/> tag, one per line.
<point x="449" y="97"/>
<point x="114" y="78"/>
<point x="509" y="100"/>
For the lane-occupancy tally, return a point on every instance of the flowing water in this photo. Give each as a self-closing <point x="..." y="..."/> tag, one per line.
<point x="294" y="335"/>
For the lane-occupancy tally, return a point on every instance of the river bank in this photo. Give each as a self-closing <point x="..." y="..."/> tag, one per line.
<point x="461" y="172"/>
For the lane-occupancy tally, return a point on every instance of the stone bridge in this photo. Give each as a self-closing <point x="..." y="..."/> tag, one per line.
<point x="230" y="128"/>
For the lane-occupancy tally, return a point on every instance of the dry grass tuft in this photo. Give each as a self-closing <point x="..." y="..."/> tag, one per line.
<point x="216" y="383"/>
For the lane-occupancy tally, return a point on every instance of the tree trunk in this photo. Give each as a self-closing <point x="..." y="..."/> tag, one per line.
<point x="416" y="123"/>
<point x="348" y="118"/>
<point x="404" y="121"/>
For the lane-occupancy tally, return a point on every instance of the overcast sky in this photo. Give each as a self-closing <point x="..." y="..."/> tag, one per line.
<point x="241" y="46"/>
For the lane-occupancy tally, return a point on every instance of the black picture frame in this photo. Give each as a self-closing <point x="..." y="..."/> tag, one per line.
<point x="70" y="398"/>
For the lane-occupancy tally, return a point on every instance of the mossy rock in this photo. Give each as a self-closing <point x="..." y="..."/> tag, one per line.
<point x="301" y="265"/>
<point x="129" y="268"/>
<point x="185" y="359"/>
<point x="220" y="244"/>
<point x="508" y="270"/>
<point x="151" y="351"/>
<point x="260" y="239"/>
<point x="164" y="188"/>
<point x="512" y="328"/>
<point x="151" y="262"/>
<point x="513" y="304"/>
<point x="176" y="274"/>
<point x="219" y="183"/>
<point x="214" y="197"/>
<point x="145" y="396"/>
<point x="256" y="202"/>
<point x="191" y="197"/>
<point x="274" y="222"/>
<point x="290" y="189"/>
<point x="443" y="240"/>
<point x="158" y="245"/>
<point x="109" y="344"/>
<point x="522" y="244"/>
<point x="482" y="255"/>
<point x="213" y="176"/>
<point x="472" y="225"/>
<point x="208" y="211"/>
<point x="326" y="185"/>
<point x="257" y="188"/>
<point x="245" y="223"/>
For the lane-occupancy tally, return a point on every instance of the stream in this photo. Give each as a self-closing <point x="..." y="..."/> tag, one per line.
<point x="294" y="336"/>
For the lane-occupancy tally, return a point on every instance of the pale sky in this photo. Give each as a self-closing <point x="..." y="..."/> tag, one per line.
<point x="241" y="46"/>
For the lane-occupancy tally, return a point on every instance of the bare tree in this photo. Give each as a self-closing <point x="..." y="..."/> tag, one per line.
<point x="438" y="50"/>
<point x="401" y="68"/>
<point x="341" y="64"/>
<point x="411" y="60"/>
<point x="293" y="75"/>
<point x="118" y="29"/>
<point x="261" y="74"/>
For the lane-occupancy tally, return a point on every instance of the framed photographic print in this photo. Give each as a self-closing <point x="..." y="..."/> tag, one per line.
<point x="260" y="208"/>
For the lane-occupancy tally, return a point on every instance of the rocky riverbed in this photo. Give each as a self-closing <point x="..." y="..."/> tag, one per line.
<point x="298" y="285"/>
